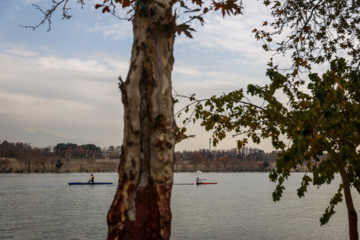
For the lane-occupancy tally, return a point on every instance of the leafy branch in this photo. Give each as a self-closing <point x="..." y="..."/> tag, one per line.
<point x="321" y="125"/>
<point x="314" y="31"/>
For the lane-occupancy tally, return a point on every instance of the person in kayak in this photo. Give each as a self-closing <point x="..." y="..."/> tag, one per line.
<point x="198" y="180"/>
<point x="91" y="180"/>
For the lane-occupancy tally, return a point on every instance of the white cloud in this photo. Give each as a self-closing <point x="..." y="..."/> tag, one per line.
<point x="17" y="50"/>
<point x="53" y="62"/>
<point x="187" y="70"/>
<point x="72" y="98"/>
<point x="120" y="30"/>
<point x="116" y="63"/>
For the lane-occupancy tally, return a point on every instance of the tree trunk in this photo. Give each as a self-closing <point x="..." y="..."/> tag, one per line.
<point x="28" y="166"/>
<point x="352" y="215"/>
<point x="141" y="206"/>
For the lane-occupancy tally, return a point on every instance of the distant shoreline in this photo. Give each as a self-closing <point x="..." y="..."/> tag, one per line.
<point x="75" y="165"/>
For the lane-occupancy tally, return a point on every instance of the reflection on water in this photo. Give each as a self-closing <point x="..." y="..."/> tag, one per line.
<point x="240" y="206"/>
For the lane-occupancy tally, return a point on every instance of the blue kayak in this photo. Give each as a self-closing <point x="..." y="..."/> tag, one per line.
<point x="85" y="183"/>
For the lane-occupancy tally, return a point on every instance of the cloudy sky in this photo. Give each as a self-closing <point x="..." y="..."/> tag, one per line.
<point x="64" y="82"/>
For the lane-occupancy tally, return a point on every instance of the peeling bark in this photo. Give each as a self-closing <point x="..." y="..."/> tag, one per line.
<point x="141" y="206"/>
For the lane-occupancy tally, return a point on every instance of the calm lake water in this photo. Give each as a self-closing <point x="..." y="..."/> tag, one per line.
<point x="240" y="206"/>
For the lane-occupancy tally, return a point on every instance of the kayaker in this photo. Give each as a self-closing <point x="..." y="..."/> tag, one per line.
<point x="91" y="180"/>
<point x="198" y="180"/>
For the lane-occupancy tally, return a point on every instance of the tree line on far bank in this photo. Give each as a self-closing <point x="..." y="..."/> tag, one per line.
<point x="28" y="156"/>
<point x="225" y="160"/>
<point x="34" y="159"/>
<point x="67" y="150"/>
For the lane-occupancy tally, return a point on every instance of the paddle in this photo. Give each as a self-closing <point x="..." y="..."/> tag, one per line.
<point x="199" y="180"/>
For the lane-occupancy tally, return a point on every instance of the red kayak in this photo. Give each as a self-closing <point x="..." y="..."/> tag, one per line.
<point x="202" y="183"/>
